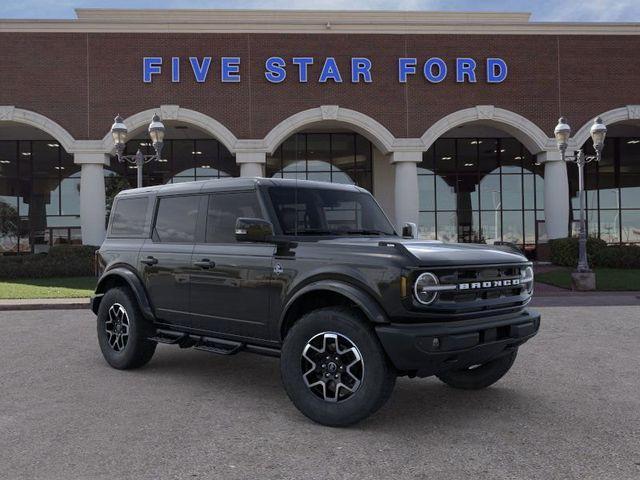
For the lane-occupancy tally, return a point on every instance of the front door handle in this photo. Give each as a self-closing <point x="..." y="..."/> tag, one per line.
<point x="149" y="260"/>
<point x="205" y="263"/>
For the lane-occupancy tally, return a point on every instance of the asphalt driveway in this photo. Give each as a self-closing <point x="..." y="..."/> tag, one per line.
<point x="570" y="408"/>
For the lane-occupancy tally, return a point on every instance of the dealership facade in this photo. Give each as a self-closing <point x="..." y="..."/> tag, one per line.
<point x="447" y="118"/>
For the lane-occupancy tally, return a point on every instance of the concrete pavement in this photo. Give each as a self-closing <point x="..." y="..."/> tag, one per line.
<point x="570" y="408"/>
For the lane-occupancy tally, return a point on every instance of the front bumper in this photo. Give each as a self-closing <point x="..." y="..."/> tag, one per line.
<point x="429" y="348"/>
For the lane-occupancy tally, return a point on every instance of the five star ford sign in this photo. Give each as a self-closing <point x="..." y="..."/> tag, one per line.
<point x="361" y="69"/>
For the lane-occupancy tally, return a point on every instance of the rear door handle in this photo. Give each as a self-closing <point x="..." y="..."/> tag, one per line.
<point x="149" y="260"/>
<point x="205" y="263"/>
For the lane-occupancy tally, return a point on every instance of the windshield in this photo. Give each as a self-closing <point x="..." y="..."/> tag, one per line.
<point x="320" y="211"/>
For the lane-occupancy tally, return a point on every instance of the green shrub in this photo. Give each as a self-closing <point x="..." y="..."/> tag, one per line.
<point x="618" y="256"/>
<point x="564" y="251"/>
<point x="61" y="261"/>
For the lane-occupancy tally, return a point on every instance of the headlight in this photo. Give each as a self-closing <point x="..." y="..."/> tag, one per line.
<point x="426" y="288"/>
<point x="526" y="279"/>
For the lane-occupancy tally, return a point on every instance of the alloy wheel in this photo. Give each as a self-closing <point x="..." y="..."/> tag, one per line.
<point x="332" y="366"/>
<point x="117" y="327"/>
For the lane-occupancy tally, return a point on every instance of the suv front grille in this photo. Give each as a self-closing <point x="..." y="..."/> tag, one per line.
<point x="479" y="291"/>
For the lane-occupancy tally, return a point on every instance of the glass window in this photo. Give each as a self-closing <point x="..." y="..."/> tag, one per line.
<point x="609" y="225"/>
<point x="224" y="209"/>
<point x="446" y="155"/>
<point x="129" y="217"/>
<point x="445" y="194"/>
<point x="8" y="159"/>
<point x="316" y="211"/>
<point x="630" y="226"/>
<point x="427" y="227"/>
<point x="426" y="188"/>
<point x="512" y="192"/>
<point x="176" y="219"/>
<point x="327" y="157"/>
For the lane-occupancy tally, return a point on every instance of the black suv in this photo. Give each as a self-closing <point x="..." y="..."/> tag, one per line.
<point x="313" y="273"/>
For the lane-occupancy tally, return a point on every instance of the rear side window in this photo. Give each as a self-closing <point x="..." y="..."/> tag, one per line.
<point x="176" y="219"/>
<point x="129" y="217"/>
<point x="224" y="210"/>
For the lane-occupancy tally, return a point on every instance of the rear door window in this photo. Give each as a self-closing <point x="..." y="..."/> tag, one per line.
<point x="176" y="219"/>
<point x="129" y="216"/>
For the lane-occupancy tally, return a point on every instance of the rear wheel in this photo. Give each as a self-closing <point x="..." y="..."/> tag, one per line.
<point x="477" y="377"/>
<point x="334" y="368"/>
<point x="123" y="331"/>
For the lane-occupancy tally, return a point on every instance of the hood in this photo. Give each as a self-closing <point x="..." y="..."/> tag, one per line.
<point x="438" y="254"/>
<point x="446" y="254"/>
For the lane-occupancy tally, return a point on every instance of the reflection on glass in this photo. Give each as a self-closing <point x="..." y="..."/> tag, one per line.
<point x="630" y="226"/>
<point x="327" y="157"/>
<point x="610" y="225"/>
<point x="426" y="189"/>
<point x="447" y="226"/>
<point x="427" y="227"/>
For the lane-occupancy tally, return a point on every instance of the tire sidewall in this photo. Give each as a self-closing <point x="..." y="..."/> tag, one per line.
<point x="371" y="393"/>
<point x="137" y="334"/>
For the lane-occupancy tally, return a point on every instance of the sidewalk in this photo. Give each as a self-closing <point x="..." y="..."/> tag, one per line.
<point x="44" y="304"/>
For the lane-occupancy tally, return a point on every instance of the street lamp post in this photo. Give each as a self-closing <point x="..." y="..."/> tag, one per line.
<point x="119" y="133"/>
<point x="562" y="133"/>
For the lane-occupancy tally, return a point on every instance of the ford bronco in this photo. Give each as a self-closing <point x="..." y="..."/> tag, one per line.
<point x="313" y="273"/>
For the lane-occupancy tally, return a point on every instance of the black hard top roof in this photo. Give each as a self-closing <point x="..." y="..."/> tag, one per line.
<point x="234" y="183"/>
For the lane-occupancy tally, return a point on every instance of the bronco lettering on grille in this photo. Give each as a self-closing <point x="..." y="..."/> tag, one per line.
<point x="508" y="282"/>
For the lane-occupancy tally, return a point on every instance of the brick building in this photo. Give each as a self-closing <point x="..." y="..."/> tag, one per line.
<point x="447" y="118"/>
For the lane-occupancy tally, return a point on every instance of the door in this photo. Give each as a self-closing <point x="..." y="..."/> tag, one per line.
<point x="165" y="259"/>
<point x="230" y="287"/>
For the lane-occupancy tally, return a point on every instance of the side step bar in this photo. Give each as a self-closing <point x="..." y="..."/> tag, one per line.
<point x="220" y="346"/>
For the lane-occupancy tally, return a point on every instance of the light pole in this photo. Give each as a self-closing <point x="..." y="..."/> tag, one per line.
<point x="562" y="133"/>
<point x="119" y="133"/>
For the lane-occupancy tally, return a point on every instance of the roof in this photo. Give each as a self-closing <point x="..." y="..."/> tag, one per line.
<point x="233" y="183"/>
<point x="310" y="21"/>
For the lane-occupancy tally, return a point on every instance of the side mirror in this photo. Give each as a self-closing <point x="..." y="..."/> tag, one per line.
<point x="253" y="230"/>
<point x="409" y="230"/>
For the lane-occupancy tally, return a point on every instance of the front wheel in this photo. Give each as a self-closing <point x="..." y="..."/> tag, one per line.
<point x="334" y="368"/>
<point x="477" y="377"/>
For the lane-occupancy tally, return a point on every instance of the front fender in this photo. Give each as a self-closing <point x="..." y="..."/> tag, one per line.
<point x="369" y="306"/>
<point x="132" y="281"/>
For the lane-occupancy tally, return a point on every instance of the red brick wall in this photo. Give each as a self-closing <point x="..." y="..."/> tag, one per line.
<point x="82" y="80"/>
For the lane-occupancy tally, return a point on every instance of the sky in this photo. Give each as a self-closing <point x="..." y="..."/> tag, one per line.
<point x="542" y="10"/>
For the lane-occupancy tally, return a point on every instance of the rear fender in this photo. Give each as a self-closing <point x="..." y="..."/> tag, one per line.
<point x="129" y="278"/>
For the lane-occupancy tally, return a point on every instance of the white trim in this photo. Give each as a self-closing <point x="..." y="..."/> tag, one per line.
<point x="9" y="113"/>
<point x="531" y="136"/>
<point x="382" y="138"/>
<point x="309" y="21"/>
<point x="177" y="113"/>
<point x="629" y="112"/>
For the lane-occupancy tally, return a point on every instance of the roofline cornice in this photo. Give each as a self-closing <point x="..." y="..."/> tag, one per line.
<point x="311" y="22"/>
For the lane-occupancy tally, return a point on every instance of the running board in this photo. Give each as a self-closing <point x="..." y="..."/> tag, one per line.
<point x="219" y="346"/>
<point x="169" y="337"/>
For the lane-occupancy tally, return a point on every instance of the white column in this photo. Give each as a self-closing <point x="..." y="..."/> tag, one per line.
<point x="251" y="163"/>
<point x="556" y="194"/>
<point x="406" y="187"/>
<point x="92" y="196"/>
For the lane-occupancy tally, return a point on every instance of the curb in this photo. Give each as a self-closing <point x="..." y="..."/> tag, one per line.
<point x="44" y="304"/>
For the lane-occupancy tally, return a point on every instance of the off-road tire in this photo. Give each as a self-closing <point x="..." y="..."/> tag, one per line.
<point x="481" y="376"/>
<point x="137" y="350"/>
<point x="377" y="379"/>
